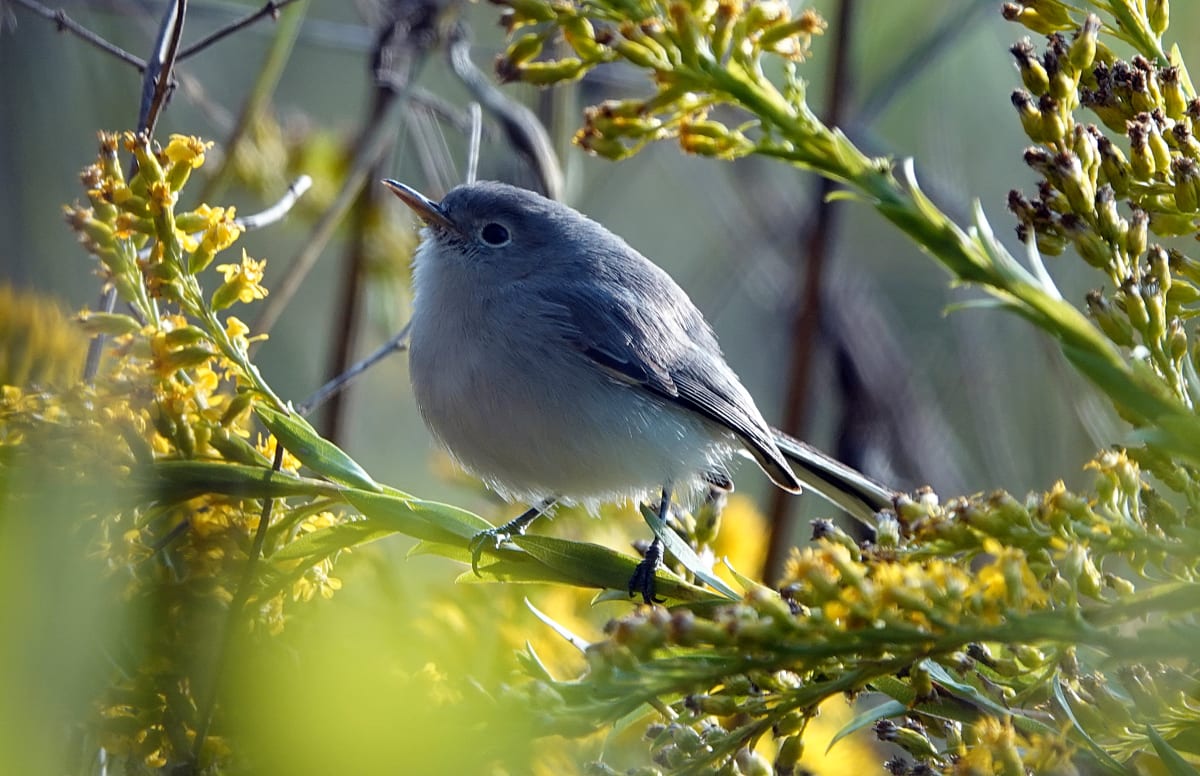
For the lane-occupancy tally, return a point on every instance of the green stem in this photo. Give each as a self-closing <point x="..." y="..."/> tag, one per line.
<point x="239" y="357"/>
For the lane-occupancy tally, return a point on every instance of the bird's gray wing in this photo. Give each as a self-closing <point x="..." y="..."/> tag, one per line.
<point x="668" y="350"/>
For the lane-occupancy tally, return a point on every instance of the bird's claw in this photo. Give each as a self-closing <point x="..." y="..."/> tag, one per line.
<point x="644" y="575"/>
<point x="491" y="539"/>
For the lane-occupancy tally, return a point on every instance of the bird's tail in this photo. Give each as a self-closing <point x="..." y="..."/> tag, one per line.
<point x="833" y="480"/>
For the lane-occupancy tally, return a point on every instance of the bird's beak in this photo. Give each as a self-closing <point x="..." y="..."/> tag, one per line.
<point x="426" y="209"/>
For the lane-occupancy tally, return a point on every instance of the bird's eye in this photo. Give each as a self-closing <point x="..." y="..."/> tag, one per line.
<point x="495" y="234"/>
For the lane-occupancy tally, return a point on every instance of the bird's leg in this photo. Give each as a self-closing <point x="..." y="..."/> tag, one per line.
<point x="642" y="580"/>
<point x="494" y="537"/>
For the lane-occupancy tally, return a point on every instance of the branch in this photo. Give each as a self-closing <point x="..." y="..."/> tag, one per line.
<point x="271" y="8"/>
<point x="64" y="22"/>
<point x="280" y="208"/>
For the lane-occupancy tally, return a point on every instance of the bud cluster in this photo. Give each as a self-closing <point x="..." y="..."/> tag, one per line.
<point x="147" y="250"/>
<point x="990" y="595"/>
<point x="679" y="43"/>
<point x="1108" y="197"/>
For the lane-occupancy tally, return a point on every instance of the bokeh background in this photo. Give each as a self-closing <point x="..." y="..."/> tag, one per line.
<point x="964" y="401"/>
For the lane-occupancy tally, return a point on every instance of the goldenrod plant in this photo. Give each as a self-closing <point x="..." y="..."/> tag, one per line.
<point x="208" y="507"/>
<point x="1053" y="634"/>
<point x="981" y="634"/>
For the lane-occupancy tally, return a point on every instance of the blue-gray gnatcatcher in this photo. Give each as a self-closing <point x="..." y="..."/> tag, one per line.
<point x="557" y="363"/>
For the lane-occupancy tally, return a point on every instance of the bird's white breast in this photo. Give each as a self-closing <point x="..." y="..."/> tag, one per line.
<point x="536" y="419"/>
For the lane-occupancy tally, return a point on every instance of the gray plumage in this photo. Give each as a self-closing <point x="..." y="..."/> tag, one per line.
<point x="554" y="360"/>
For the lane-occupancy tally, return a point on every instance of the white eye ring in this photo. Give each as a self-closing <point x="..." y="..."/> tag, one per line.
<point x="495" y="234"/>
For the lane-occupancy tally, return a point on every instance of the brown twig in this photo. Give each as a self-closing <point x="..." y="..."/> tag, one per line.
<point x="64" y="22"/>
<point x="521" y="125"/>
<point x="807" y="317"/>
<point x="349" y="308"/>
<point x="407" y="33"/>
<point x="158" y="80"/>
<point x="271" y="8"/>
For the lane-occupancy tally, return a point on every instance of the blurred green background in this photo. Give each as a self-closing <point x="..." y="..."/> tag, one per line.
<point x="965" y="402"/>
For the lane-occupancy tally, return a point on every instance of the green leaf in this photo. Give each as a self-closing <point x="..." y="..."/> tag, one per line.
<point x="685" y="554"/>
<point x="1103" y="758"/>
<point x="964" y="690"/>
<point x="111" y="324"/>
<point x="515" y="567"/>
<point x="414" y="517"/>
<point x="314" y="451"/>
<point x="185" y="358"/>
<point x="1176" y="435"/>
<point x="390" y="513"/>
<point x="746" y="582"/>
<point x="868" y="717"/>
<point x="533" y="665"/>
<point x="441" y="550"/>
<point x="576" y="641"/>
<point x="237" y="450"/>
<point x="327" y="541"/>
<point x="1119" y="383"/>
<point x="983" y="303"/>
<point x="590" y="565"/>
<point x="1171" y="759"/>
<point x="181" y="480"/>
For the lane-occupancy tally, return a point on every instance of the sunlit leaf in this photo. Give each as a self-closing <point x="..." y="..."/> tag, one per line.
<point x="313" y="450"/>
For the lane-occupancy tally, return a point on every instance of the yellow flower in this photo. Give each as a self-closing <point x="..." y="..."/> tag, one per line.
<point x="217" y="229"/>
<point x="242" y="282"/>
<point x="237" y="330"/>
<point x="742" y="539"/>
<point x="221" y="229"/>
<point x="162" y="199"/>
<point x="318" y="521"/>
<point x="266" y="446"/>
<point x="186" y="149"/>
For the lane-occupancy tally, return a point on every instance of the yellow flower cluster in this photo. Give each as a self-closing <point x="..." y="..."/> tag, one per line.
<point x="683" y="45"/>
<point x="146" y="249"/>
<point x="926" y="597"/>
<point x="173" y="394"/>
<point x="38" y="343"/>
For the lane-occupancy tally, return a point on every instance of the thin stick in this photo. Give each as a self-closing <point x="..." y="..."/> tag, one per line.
<point x="240" y="598"/>
<point x="476" y="138"/>
<point x="348" y="314"/>
<point x="271" y="8"/>
<point x="436" y="163"/>
<point x="158" y="80"/>
<point x="280" y="208"/>
<point x="396" y="344"/>
<point x="807" y="317"/>
<point x="439" y="106"/>
<point x="64" y="22"/>
<point x="521" y="125"/>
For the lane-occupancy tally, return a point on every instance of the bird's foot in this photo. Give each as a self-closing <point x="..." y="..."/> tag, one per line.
<point x="642" y="580"/>
<point x="494" y="538"/>
<point x="491" y="539"/>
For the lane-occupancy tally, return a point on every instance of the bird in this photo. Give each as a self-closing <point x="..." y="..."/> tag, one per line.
<point x="561" y="366"/>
